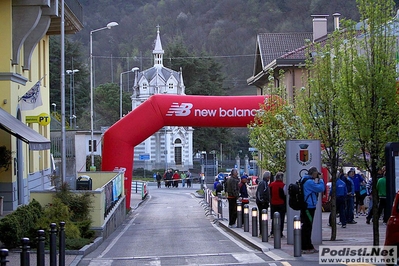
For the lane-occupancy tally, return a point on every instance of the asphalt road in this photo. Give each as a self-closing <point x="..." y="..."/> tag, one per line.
<point x="171" y="228"/>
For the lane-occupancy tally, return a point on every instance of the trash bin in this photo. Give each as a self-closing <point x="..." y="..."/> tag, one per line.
<point x="84" y="182"/>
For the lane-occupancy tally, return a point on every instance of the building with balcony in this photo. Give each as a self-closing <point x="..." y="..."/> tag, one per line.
<point x="25" y="27"/>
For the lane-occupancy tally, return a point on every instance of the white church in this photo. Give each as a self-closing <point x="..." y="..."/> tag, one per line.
<point x="170" y="147"/>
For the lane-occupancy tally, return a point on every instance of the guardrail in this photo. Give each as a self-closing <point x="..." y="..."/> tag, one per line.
<point x="140" y="187"/>
<point x="215" y="203"/>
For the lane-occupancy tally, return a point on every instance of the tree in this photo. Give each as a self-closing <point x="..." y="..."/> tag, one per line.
<point x="369" y="99"/>
<point x="319" y="105"/>
<point x="107" y="104"/>
<point x="276" y="123"/>
<point x="73" y="60"/>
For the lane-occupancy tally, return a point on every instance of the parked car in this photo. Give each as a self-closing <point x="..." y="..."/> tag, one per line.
<point x="392" y="232"/>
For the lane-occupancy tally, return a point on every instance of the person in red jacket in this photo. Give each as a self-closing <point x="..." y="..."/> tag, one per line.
<point x="176" y="177"/>
<point x="278" y="200"/>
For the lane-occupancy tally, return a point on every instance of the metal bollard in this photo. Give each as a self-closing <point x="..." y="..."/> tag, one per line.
<point x="297" y="237"/>
<point x="3" y="257"/>
<point x="254" y="221"/>
<point x="1" y="205"/>
<point x="220" y="207"/>
<point x="25" y="252"/>
<point x="246" y="218"/>
<point x="277" y="230"/>
<point x="40" y="261"/>
<point x="239" y="214"/>
<point x="264" y="226"/>
<point x="53" y="244"/>
<point x="61" y="246"/>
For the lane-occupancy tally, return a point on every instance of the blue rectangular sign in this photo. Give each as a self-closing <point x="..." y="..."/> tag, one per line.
<point x="144" y="156"/>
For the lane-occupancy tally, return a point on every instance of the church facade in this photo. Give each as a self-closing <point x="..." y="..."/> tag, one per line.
<point x="171" y="146"/>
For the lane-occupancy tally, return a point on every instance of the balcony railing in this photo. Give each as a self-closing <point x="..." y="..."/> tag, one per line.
<point x="73" y="18"/>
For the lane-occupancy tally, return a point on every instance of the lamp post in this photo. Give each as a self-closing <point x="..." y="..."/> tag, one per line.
<point x="120" y="89"/>
<point x="109" y="26"/>
<point x="55" y="107"/>
<point x="71" y="74"/>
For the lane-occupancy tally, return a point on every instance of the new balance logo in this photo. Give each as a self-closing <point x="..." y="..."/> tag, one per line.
<point x="184" y="109"/>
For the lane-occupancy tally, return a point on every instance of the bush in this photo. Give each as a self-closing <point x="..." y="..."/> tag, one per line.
<point x="11" y="231"/>
<point x="21" y="223"/>
<point x="57" y="212"/>
<point x="78" y="204"/>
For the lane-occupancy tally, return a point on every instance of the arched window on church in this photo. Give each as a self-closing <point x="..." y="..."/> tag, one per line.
<point x="178" y="152"/>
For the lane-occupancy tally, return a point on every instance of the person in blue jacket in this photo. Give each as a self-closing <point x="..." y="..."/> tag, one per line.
<point x="340" y="199"/>
<point x="312" y="186"/>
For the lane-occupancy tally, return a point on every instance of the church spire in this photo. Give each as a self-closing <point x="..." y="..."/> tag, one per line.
<point x="158" y="51"/>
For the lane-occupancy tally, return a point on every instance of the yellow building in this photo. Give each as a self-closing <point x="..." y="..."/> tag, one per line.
<point x="25" y="26"/>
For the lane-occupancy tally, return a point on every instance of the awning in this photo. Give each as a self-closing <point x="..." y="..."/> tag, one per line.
<point x="23" y="132"/>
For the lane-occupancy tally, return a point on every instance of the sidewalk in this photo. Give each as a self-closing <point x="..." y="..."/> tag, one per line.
<point x="360" y="234"/>
<point x="72" y="257"/>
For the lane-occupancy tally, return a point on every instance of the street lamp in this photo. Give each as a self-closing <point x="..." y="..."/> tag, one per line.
<point x="109" y="26"/>
<point x="120" y="89"/>
<point x="71" y="74"/>
<point x="55" y="107"/>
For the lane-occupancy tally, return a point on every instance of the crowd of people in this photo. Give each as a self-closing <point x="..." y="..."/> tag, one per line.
<point x="172" y="179"/>
<point x="351" y="191"/>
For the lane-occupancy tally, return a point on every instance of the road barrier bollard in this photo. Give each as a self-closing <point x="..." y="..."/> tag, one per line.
<point x="25" y="252"/>
<point x="61" y="246"/>
<point x="3" y="257"/>
<point x="220" y="206"/>
<point x="246" y="218"/>
<point x="40" y="260"/>
<point x="53" y="244"/>
<point x="239" y="214"/>
<point x="297" y="237"/>
<point x="277" y="230"/>
<point x="254" y="221"/>
<point x="264" y="226"/>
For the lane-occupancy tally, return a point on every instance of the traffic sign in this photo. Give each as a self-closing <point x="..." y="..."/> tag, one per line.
<point x="144" y="156"/>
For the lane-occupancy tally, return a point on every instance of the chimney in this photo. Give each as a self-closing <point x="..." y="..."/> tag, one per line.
<point x="319" y="26"/>
<point x="336" y="20"/>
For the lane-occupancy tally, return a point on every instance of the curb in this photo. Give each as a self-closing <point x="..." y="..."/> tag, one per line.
<point x="265" y="247"/>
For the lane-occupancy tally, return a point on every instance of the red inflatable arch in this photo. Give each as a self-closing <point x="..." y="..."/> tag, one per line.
<point x="171" y="110"/>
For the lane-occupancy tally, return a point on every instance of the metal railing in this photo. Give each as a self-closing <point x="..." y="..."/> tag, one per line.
<point x="76" y="8"/>
<point x="140" y="187"/>
<point x="215" y="203"/>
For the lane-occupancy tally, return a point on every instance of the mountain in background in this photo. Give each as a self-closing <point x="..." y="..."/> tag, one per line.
<point x="224" y="29"/>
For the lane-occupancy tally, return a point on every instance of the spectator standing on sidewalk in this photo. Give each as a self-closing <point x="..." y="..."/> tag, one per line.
<point x="341" y="192"/>
<point x="158" y="177"/>
<point x="176" y="177"/>
<point x="278" y="200"/>
<point x="313" y="185"/>
<point x="350" y="199"/>
<point x="232" y="191"/>
<point x="183" y="178"/>
<point x="188" y="178"/>
<point x="217" y="186"/>
<point x="382" y="196"/>
<point x="358" y="181"/>
<point x="263" y="196"/>
<point x="243" y="192"/>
